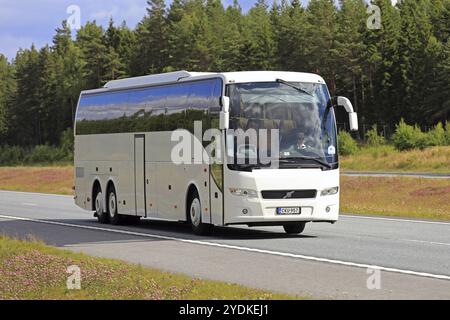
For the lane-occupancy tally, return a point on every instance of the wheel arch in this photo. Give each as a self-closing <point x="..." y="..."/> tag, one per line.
<point x="96" y="185"/>
<point x="111" y="184"/>
<point x="190" y="191"/>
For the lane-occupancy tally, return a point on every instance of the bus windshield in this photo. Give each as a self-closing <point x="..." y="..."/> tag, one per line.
<point x="302" y="114"/>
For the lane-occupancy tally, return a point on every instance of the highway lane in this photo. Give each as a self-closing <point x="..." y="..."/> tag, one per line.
<point x="408" y="246"/>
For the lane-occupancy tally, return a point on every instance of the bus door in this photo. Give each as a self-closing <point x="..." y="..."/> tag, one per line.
<point x="139" y="175"/>
<point x="216" y="188"/>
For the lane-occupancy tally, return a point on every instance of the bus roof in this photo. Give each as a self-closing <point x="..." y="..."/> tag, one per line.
<point x="229" y="77"/>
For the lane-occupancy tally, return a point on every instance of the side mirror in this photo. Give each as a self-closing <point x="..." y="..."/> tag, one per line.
<point x="224" y="122"/>
<point x="353" y="116"/>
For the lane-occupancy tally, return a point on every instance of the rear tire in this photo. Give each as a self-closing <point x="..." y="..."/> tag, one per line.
<point x="294" y="228"/>
<point x="101" y="215"/>
<point x="195" y="216"/>
<point x="114" y="217"/>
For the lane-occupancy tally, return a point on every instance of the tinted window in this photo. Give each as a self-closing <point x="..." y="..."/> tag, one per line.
<point x="142" y="104"/>
<point x="176" y="105"/>
<point x="151" y="109"/>
<point x="102" y="113"/>
<point x="146" y="100"/>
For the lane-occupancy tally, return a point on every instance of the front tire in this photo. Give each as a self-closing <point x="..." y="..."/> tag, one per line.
<point x="195" y="216"/>
<point x="294" y="228"/>
<point x="114" y="217"/>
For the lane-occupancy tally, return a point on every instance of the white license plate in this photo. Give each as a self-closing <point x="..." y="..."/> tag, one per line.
<point x="283" y="211"/>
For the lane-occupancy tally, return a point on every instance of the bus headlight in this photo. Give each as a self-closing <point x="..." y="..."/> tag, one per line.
<point x="249" y="193"/>
<point x="329" y="192"/>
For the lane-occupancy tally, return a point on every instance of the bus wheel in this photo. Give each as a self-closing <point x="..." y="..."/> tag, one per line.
<point x="294" y="228"/>
<point x="98" y="203"/>
<point x="114" y="217"/>
<point x="195" y="216"/>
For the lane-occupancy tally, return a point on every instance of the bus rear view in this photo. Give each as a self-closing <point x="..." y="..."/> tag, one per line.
<point x="268" y="144"/>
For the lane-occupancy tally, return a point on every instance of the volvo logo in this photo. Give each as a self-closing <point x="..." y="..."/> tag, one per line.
<point x="289" y="195"/>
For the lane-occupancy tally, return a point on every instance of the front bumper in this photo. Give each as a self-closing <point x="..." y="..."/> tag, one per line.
<point x="257" y="211"/>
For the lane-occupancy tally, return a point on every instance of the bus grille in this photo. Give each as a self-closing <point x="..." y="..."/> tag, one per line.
<point x="289" y="194"/>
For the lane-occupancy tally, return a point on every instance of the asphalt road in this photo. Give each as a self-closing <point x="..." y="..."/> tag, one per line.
<point x="326" y="261"/>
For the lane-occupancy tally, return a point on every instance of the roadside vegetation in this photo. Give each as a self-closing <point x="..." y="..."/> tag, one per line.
<point x="396" y="196"/>
<point x="387" y="159"/>
<point x="408" y="150"/>
<point x="32" y="270"/>
<point x="39" y="155"/>
<point x="54" y="179"/>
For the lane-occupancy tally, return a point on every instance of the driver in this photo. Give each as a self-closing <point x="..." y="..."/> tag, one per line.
<point x="300" y="143"/>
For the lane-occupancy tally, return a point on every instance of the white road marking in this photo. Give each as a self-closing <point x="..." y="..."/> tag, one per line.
<point x="29" y="204"/>
<point x="245" y="249"/>
<point x="426" y="242"/>
<point x="393" y="219"/>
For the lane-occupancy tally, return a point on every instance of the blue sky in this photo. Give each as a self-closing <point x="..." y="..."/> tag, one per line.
<point x="23" y="22"/>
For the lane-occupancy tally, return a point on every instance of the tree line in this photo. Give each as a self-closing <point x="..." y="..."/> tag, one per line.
<point x="399" y="71"/>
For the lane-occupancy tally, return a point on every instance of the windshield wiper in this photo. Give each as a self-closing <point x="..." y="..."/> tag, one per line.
<point x="294" y="86"/>
<point x="317" y="160"/>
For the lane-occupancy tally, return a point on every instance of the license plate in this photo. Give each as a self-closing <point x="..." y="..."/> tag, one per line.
<point x="286" y="211"/>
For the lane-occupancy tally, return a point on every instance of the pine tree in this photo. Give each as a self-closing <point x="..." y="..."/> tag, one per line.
<point x="189" y="38"/>
<point x="232" y="42"/>
<point x="350" y="49"/>
<point x="90" y="39"/>
<point x="382" y="67"/>
<point x="6" y="88"/>
<point x="114" y="68"/>
<point x="259" y="40"/>
<point x="217" y="30"/>
<point x="322" y="53"/>
<point x="50" y="96"/>
<point x="438" y="94"/>
<point x="291" y="40"/>
<point x="62" y="39"/>
<point x="415" y="68"/>
<point x="69" y="72"/>
<point x="26" y="100"/>
<point x="151" y="40"/>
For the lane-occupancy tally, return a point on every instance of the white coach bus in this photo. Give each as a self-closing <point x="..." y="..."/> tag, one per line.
<point x="124" y="148"/>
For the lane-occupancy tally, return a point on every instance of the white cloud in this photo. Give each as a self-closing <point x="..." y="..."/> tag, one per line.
<point x="11" y="44"/>
<point x="104" y="14"/>
<point x="132" y="13"/>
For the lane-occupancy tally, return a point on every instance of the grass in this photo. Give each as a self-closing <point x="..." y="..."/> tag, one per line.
<point x="387" y="158"/>
<point x="402" y="196"/>
<point x="32" y="270"/>
<point x="58" y="180"/>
